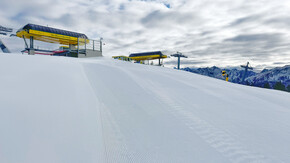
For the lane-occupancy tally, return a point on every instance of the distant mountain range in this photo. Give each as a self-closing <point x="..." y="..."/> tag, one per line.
<point x="268" y="78"/>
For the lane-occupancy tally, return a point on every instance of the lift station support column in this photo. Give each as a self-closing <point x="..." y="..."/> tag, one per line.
<point x="178" y="55"/>
<point x="178" y="62"/>
<point x="31" y="49"/>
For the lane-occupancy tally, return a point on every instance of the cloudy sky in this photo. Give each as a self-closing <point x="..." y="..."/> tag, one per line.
<point x="210" y="32"/>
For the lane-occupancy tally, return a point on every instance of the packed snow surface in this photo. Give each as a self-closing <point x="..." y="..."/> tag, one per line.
<point x="70" y="110"/>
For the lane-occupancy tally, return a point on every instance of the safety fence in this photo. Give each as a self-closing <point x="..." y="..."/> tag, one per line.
<point x="89" y="44"/>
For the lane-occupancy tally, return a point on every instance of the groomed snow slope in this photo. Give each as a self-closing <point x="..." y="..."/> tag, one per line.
<point x="69" y="110"/>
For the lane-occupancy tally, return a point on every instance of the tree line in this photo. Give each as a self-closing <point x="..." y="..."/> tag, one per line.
<point x="278" y="86"/>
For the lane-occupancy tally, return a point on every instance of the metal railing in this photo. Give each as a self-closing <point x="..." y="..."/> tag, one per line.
<point x="89" y="44"/>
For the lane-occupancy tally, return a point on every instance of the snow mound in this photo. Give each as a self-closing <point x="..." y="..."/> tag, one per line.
<point x="60" y="109"/>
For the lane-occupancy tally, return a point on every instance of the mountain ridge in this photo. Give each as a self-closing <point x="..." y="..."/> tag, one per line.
<point x="259" y="79"/>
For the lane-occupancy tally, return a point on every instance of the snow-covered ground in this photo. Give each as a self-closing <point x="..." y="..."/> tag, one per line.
<point x="70" y="110"/>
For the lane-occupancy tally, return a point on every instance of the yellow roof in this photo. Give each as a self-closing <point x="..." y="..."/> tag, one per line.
<point x="51" y="35"/>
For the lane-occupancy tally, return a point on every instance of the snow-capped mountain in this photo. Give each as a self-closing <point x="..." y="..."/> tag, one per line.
<point x="235" y="75"/>
<point x="271" y="76"/>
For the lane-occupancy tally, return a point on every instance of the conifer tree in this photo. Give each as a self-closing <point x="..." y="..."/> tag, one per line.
<point x="288" y="88"/>
<point x="267" y="85"/>
<point x="279" y="86"/>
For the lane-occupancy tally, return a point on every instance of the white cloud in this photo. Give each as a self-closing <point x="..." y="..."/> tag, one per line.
<point x="222" y="32"/>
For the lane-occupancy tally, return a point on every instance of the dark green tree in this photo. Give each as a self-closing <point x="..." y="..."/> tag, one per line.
<point x="288" y="88"/>
<point x="267" y="85"/>
<point x="279" y="86"/>
<point x="247" y="83"/>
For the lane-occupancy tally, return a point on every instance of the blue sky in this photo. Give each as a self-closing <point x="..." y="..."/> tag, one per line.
<point x="210" y="32"/>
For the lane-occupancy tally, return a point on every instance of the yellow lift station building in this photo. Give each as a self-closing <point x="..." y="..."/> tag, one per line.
<point x="148" y="56"/>
<point x="79" y="44"/>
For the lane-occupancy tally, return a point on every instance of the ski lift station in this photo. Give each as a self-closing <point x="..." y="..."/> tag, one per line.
<point x="76" y="44"/>
<point x="123" y="58"/>
<point x="142" y="57"/>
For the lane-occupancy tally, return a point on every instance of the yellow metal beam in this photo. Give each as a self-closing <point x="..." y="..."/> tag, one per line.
<point x="51" y="37"/>
<point x="148" y="57"/>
